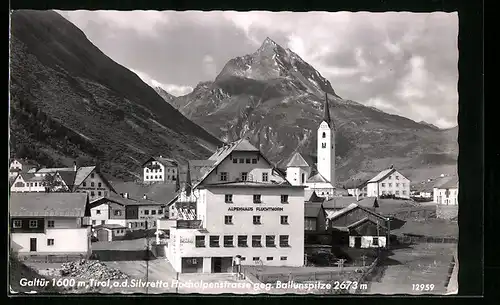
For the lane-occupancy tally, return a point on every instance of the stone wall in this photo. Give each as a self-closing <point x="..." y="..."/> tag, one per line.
<point x="446" y="211"/>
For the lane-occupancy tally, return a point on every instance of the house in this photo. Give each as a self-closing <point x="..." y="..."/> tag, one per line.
<point x="53" y="182"/>
<point x="159" y="169"/>
<point x="446" y="191"/>
<point x="237" y="203"/>
<point x="132" y="213"/>
<point x="89" y="179"/>
<point x="55" y="224"/>
<point x="109" y="232"/>
<point x="20" y="166"/>
<point x="357" y="189"/>
<point x="389" y="182"/>
<point x="363" y="227"/>
<point x="322" y="179"/>
<point x="335" y="204"/>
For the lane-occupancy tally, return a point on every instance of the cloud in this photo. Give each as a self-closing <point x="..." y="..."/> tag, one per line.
<point x="175" y="90"/>
<point x="396" y="60"/>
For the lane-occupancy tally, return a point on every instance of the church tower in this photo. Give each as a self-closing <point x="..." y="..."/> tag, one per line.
<point x="326" y="146"/>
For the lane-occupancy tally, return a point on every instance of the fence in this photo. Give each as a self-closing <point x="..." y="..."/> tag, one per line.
<point x="409" y="239"/>
<point x="51" y="258"/>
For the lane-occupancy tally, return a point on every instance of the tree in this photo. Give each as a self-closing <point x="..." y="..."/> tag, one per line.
<point x="52" y="184"/>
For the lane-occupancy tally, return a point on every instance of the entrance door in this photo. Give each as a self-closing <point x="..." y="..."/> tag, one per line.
<point x="33" y="244"/>
<point x="357" y="242"/>
<point x="217" y="264"/>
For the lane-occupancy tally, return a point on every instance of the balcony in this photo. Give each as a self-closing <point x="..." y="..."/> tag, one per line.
<point x="189" y="224"/>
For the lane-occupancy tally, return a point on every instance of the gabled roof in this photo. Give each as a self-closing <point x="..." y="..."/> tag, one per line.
<point x="110" y="226"/>
<point x="125" y="201"/>
<point x="254" y="184"/>
<point x="68" y="177"/>
<point x="351" y="207"/>
<point x="48" y="204"/>
<point x="312" y="209"/>
<point x="382" y="175"/>
<point x="311" y="196"/>
<point x="447" y="183"/>
<point x="55" y="169"/>
<point x="368" y="202"/>
<point x="25" y="176"/>
<point x="82" y="173"/>
<point x="326" y="113"/>
<point x="362" y="221"/>
<point x="24" y="162"/>
<point x="164" y="161"/>
<point x="339" y="202"/>
<point x="297" y="161"/>
<point x="158" y="192"/>
<point x="317" y="178"/>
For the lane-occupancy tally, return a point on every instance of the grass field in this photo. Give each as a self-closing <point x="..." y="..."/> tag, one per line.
<point x="418" y="264"/>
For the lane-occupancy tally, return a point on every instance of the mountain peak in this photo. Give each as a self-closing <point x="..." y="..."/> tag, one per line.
<point x="269" y="44"/>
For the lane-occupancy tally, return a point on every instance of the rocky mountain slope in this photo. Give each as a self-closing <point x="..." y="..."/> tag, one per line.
<point x="68" y="100"/>
<point x="164" y="94"/>
<point x="275" y="95"/>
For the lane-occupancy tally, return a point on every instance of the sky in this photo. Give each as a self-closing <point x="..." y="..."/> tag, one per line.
<point x="400" y="63"/>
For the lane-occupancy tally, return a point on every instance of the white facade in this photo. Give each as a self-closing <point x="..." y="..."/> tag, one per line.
<point x="94" y="185"/>
<point x="368" y="241"/>
<point x="326" y="152"/>
<point x="22" y="186"/>
<point x="358" y="192"/>
<point x="446" y="196"/>
<point x="322" y="189"/>
<point x="229" y="222"/>
<point x="160" y="173"/>
<point x="16" y="165"/>
<point x="62" y="236"/>
<point x="100" y="215"/>
<point x="393" y="184"/>
<point x="297" y="175"/>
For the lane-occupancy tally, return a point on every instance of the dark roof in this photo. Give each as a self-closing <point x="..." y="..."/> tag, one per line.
<point x="317" y="178"/>
<point x="430" y="227"/>
<point x="48" y="204"/>
<point x="125" y="201"/>
<point x="447" y="183"/>
<point x="362" y="221"/>
<point x="339" y="202"/>
<point x="326" y="114"/>
<point x="158" y="192"/>
<point x="68" y="177"/>
<point x="82" y="173"/>
<point x="368" y="202"/>
<point x="164" y="161"/>
<point x="312" y="209"/>
<point x="352" y="207"/>
<point x="110" y="226"/>
<point x="382" y="175"/>
<point x="311" y="196"/>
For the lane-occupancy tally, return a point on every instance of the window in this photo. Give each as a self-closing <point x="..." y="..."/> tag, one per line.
<point x="99" y="193"/>
<point x="105" y="193"/>
<point x="256" y="241"/>
<point x="284" y="198"/>
<point x="310" y="224"/>
<point x="92" y="184"/>
<point x="303" y="178"/>
<point x="214" y="241"/>
<point x="375" y="241"/>
<point x="256" y="258"/>
<point x="103" y="222"/>
<point x="284" y="241"/>
<point x="397" y="184"/>
<point x="153" y="212"/>
<point x="265" y="177"/>
<point x="228" y="198"/>
<point x="244" y="176"/>
<point x="159" y="170"/>
<point x="383" y="184"/>
<point x="324" y="135"/>
<point x="256" y="220"/>
<point x="50" y="224"/>
<point x="99" y="184"/>
<point x="257" y="198"/>
<point x="200" y="241"/>
<point x="118" y="213"/>
<point x="404" y="192"/>
<point x="242" y="160"/>
<point x="235" y="160"/>
<point x="397" y="177"/>
<point x="284" y="220"/>
<point x="242" y="241"/>
<point x="223" y="176"/>
<point x="156" y="177"/>
<point x="17" y="224"/>
<point x="390" y="184"/>
<point x="36" y="184"/>
<point x="247" y="161"/>
<point x="402" y="184"/>
<point x="323" y="145"/>
<point x="147" y="170"/>
<point x="397" y="192"/>
<point x="390" y="177"/>
<point x="228" y="220"/>
<point x="147" y="177"/>
<point x="270" y="241"/>
<point x="50" y="242"/>
<point x="228" y="241"/>
<point x="92" y="194"/>
<point x="33" y="223"/>
<point x="92" y="175"/>
<point x="146" y="212"/>
<point x="94" y="222"/>
<point x="283" y="258"/>
<point x="254" y="161"/>
<point x="243" y="258"/>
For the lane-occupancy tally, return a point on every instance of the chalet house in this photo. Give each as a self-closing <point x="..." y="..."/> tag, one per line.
<point x="134" y="214"/>
<point x="90" y="180"/>
<point x="389" y="182"/>
<point x="109" y="232"/>
<point x="160" y="169"/>
<point x="358" y="190"/>
<point x="27" y="182"/>
<point x="446" y="191"/>
<point x="314" y="214"/>
<point x="363" y="227"/>
<point x="50" y="224"/>
<point x="20" y="166"/>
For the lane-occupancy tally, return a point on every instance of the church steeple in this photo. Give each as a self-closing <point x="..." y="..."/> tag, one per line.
<point x="326" y="116"/>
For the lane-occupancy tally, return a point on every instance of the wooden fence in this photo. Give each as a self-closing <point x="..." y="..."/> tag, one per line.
<point x="409" y="239"/>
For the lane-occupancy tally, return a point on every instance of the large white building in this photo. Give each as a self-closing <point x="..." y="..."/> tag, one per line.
<point x="159" y="169"/>
<point x="237" y="203"/>
<point x="323" y="179"/>
<point x="44" y="224"/>
<point x="445" y="192"/>
<point x="388" y="182"/>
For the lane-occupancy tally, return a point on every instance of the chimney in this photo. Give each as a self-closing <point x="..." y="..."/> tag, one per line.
<point x="144" y="196"/>
<point x="125" y="195"/>
<point x="161" y="156"/>
<point x="74" y="166"/>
